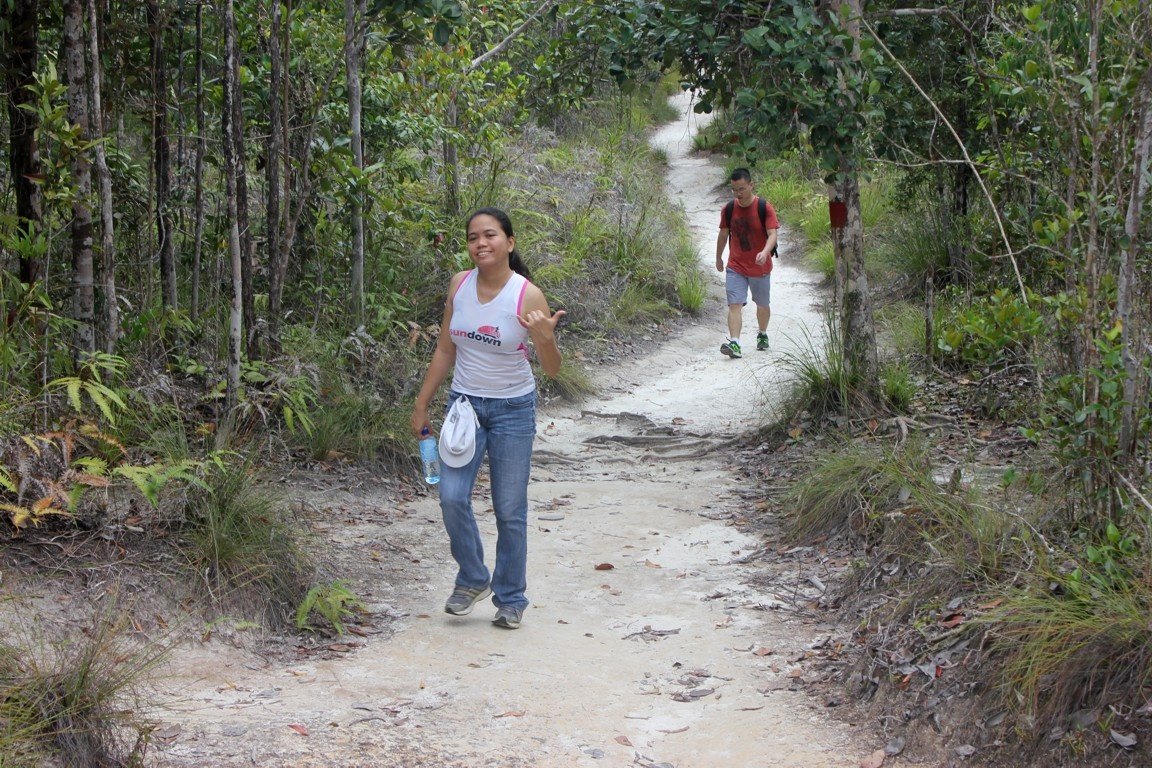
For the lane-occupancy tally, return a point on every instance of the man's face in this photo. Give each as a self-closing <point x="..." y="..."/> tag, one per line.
<point x="742" y="191"/>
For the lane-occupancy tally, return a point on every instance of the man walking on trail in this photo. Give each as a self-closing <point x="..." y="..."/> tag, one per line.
<point x="748" y="227"/>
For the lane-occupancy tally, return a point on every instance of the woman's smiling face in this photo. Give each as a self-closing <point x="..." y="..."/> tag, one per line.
<point x="487" y="242"/>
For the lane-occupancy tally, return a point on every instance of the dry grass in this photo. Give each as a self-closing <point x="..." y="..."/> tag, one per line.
<point x="72" y="695"/>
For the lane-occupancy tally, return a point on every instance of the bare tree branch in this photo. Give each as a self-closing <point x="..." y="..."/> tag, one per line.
<point x="492" y="53"/>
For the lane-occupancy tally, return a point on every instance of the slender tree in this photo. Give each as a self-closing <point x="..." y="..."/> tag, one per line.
<point x="109" y="315"/>
<point x="272" y="165"/>
<point x="83" y="280"/>
<point x="198" y="165"/>
<point x="858" y="330"/>
<point x="232" y="148"/>
<point x="162" y="156"/>
<point x="21" y="52"/>
<point x="353" y="36"/>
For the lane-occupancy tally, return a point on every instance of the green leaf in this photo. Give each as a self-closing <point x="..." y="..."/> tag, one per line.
<point x="6" y="481"/>
<point x="1033" y="13"/>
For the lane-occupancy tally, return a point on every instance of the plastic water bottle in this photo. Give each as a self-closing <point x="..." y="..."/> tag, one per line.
<point x="430" y="457"/>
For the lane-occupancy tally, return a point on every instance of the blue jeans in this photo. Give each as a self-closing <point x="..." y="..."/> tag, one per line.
<point x="507" y="429"/>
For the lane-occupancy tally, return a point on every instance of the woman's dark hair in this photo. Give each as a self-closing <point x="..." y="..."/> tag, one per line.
<point x="514" y="259"/>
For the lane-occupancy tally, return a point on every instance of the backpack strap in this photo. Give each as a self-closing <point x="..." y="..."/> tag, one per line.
<point x="763" y="206"/>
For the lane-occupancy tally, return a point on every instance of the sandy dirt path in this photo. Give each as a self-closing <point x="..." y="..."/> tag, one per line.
<point x="669" y="658"/>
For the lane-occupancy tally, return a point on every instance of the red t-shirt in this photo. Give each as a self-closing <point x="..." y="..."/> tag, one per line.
<point x="746" y="237"/>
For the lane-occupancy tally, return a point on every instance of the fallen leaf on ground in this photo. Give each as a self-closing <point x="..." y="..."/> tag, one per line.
<point x="764" y="652"/>
<point x="510" y="714"/>
<point x="605" y="567"/>
<point x="651" y="564"/>
<point x="167" y="734"/>
<point x="1126" y="740"/>
<point x="673" y="730"/>
<point x="874" y="760"/>
<point x="299" y="729"/>
<point x="623" y="740"/>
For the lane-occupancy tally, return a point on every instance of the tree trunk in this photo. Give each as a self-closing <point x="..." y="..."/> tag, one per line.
<point x="353" y="12"/>
<point x="1126" y="282"/>
<point x="247" y="296"/>
<point x="20" y="44"/>
<point x="274" y="207"/>
<point x="162" y="158"/>
<point x="83" y="283"/>
<point x="959" y="264"/>
<point x="452" y="161"/>
<point x="198" y="171"/>
<point x="232" y="176"/>
<point x="857" y="330"/>
<point x="109" y="311"/>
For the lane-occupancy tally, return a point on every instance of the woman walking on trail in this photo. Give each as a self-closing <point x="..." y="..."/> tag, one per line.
<point x="491" y="313"/>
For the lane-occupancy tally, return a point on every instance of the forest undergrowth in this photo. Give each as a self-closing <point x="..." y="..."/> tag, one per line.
<point x="950" y="522"/>
<point x="125" y="491"/>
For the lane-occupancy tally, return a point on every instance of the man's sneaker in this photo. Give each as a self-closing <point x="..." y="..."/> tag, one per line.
<point x="761" y="341"/>
<point x="463" y="599"/>
<point x="731" y="348"/>
<point x="508" y="617"/>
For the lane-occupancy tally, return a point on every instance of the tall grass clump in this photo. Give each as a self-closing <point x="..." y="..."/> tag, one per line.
<point x="914" y="247"/>
<point x="691" y="290"/>
<point x="571" y="383"/>
<point x="848" y="491"/>
<point x="818" y="375"/>
<point x="1064" y="651"/>
<point x="902" y="330"/>
<point x="72" y="697"/>
<point x="893" y="498"/>
<point x="783" y="186"/>
<point x="242" y="543"/>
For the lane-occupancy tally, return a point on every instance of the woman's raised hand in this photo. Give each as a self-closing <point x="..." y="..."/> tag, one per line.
<point x="540" y="325"/>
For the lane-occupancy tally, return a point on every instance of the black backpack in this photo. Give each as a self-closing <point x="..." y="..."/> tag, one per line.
<point x="762" y="209"/>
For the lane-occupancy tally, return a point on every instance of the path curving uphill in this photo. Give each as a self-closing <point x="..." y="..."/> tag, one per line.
<point x="649" y="642"/>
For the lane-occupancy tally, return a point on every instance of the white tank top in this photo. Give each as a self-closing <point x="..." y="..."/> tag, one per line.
<point x="491" y="345"/>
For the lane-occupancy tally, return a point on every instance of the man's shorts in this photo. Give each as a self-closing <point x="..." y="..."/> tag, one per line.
<point x="737" y="286"/>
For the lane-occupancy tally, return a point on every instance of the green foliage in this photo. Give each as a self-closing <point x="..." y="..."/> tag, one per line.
<point x="902" y="329"/>
<point x="1081" y="418"/>
<point x="897" y="386"/>
<point x="286" y="391"/>
<point x="23" y="310"/>
<point x="89" y="382"/>
<point x="847" y="491"/>
<point x="993" y="331"/>
<point x="821" y="258"/>
<point x="152" y="479"/>
<point x="692" y="290"/>
<point x="241" y="541"/>
<point x="572" y="382"/>
<point x="333" y="601"/>
<point x="819" y="381"/>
